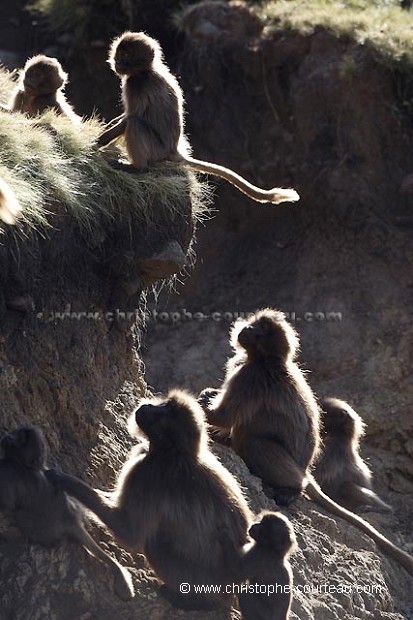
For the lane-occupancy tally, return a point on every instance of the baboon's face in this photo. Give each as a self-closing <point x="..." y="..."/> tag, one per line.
<point x="273" y="532"/>
<point x="25" y="446"/>
<point x="43" y="78"/>
<point x="265" y="334"/>
<point x="337" y="419"/>
<point x="169" y="423"/>
<point x="133" y="54"/>
<point x="264" y="338"/>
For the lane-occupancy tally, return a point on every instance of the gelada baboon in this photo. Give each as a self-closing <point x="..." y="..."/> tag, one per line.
<point x="152" y="123"/>
<point x="10" y="208"/>
<point x="340" y="470"/>
<point x="40" y="88"/>
<point x="272" y="414"/>
<point x="265" y="563"/>
<point x="172" y="502"/>
<point x="43" y="512"/>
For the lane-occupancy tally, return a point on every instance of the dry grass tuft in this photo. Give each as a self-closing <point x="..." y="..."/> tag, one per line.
<point x="49" y="159"/>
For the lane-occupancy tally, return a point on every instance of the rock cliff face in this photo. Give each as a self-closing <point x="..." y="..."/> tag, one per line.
<point x="328" y="117"/>
<point x="325" y="116"/>
<point x="72" y="286"/>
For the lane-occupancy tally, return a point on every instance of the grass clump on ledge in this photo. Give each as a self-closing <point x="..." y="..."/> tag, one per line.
<point x="381" y="24"/>
<point x="49" y="160"/>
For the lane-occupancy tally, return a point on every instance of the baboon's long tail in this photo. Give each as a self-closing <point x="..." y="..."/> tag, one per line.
<point x="317" y="495"/>
<point x="274" y="195"/>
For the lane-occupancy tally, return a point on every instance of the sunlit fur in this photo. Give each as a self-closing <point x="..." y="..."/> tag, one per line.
<point x="340" y="470"/>
<point x="40" y="88"/>
<point x="152" y="100"/>
<point x="173" y="500"/>
<point x="134" y="52"/>
<point x="152" y="123"/>
<point x="266" y="563"/>
<point x="262" y="387"/>
<point x="43" y="512"/>
<point x="277" y="337"/>
<point x="274" y="532"/>
<point x="270" y="412"/>
<point x="42" y="75"/>
<point x="178" y="423"/>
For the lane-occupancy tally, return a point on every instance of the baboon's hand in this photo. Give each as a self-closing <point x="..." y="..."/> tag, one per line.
<point x="205" y="397"/>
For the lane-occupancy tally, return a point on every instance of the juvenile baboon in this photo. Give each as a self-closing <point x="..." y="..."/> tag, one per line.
<point x="40" y="88"/>
<point x="340" y="470"/>
<point x="265" y="563"/>
<point x="273" y="417"/>
<point x="10" y="208"/>
<point x="152" y="123"/>
<point x="171" y="503"/>
<point x="43" y="512"/>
